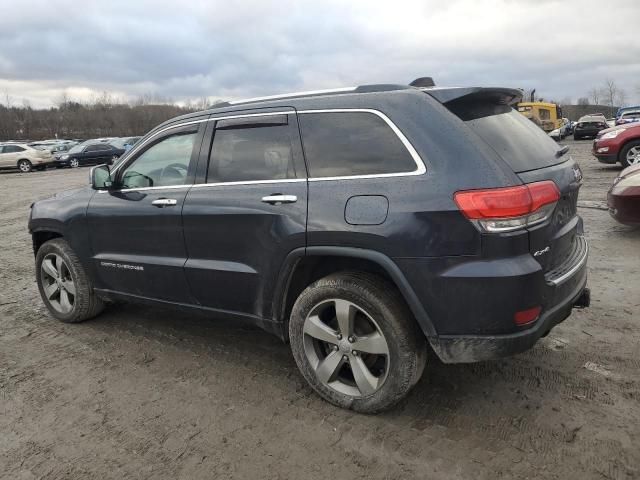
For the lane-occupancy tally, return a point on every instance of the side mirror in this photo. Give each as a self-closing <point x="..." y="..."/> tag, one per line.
<point x="101" y="177"/>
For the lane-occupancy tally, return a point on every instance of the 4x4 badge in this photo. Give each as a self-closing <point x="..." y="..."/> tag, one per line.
<point x="542" y="252"/>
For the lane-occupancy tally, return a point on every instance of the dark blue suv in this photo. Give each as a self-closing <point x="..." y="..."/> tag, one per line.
<point x="361" y="225"/>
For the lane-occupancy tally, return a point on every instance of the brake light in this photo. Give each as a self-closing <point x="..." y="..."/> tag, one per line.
<point x="509" y="208"/>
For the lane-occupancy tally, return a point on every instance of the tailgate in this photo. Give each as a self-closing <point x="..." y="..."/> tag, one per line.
<point x="553" y="242"/>
<point x="534" y="157"/>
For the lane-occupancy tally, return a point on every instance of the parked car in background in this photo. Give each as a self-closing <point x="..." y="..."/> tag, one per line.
<point x="622" y="110"/>
<point x="618" y="144"/>
<point x="611" y="122"/>
<point x="88" y="154"/>
<point x="589" y="126"/>
<point x="623" y="197"/>
<point x="630" y="116"/>
<point x="61" y="147"/>
<point x="23" y="157"/>
<point x="124" y="143"/>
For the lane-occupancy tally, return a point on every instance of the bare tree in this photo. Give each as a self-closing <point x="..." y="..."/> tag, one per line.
<point x="622" y="97"/>
<point x="594" y="95"/>
<point x="611" y="92"/>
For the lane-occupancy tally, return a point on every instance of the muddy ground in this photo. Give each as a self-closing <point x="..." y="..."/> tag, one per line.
<point x="145" y="393"/>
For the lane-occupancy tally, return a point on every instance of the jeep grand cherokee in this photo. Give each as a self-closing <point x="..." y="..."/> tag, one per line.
<point x="360" y="225"/>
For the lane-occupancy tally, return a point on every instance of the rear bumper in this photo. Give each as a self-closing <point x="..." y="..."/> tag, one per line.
<point x="564" y="289"/>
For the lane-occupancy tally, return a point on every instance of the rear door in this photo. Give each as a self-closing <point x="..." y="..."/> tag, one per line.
<point x="136" y="228"/>
<point x="248" y="213"/>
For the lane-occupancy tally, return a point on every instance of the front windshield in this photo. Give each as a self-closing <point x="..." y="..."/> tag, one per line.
<point x="77" y="149"/>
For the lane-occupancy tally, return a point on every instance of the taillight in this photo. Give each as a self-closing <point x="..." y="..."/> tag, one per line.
<point x="509" y="208"/>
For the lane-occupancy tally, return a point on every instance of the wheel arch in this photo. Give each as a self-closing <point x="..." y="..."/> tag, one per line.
<point x="624" y="144"/>
<point x="304" y="266"/>
<point x="39" y="237"/>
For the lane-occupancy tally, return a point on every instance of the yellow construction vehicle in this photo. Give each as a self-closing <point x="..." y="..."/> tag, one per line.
<point x="547" y="116"/>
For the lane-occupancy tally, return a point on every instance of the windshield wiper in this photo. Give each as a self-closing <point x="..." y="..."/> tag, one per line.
<point x="562" y="151"/>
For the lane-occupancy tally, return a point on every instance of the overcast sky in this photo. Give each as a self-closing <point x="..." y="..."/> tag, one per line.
<point x="234" y="48"/>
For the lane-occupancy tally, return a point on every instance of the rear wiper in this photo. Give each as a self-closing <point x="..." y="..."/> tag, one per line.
<point x="562" y="151"/>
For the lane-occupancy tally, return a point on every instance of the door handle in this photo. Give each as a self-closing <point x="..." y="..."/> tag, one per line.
<point x="164" y="202"/>
<point x="277" y="199"/>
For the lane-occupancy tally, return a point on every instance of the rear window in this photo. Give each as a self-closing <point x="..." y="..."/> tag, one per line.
<point x="342" y="144"/>
<point x="520" y="142"/>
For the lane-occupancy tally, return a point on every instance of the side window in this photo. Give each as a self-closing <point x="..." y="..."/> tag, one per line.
<point x="261" y="152"/>
<point x="544" y="114"/>
<point x="12" y="149"/>
<point x="338" y="144"/>
<point x="92" y="148"/>
<point x="163" y="164"/>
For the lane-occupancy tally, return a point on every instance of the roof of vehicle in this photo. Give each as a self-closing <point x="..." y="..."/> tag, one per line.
<point x="351" y="95"/>
<point x="537" y="104"/>
<point x="590" y="118"/>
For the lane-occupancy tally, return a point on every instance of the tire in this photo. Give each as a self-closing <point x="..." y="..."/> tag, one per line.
<point x="628" y="152"/>
<point x="84" y="303"/>
<point x="25" y="166"/>
<point x="381" y="307"/>
<point x="74" y="163"/>
<point x="577" y="137"/>
<point x="114" y="159"/>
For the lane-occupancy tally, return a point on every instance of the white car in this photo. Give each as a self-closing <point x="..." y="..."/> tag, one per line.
<point x="24" y="157"/>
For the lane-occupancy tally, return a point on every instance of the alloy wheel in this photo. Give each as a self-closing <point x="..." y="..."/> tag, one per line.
<point x="633" y="156"/>
<point x="24" y="167"/>
<point x="346" y="348"/>
<point x="74" y="163"/>
<point x="57" y="283"/>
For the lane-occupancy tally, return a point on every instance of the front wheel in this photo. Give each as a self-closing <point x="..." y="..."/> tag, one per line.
<point x="25" y="166"/>
<point x="356" y="342"/>
<point x="74" y="163"/>
<point x="630" y="154"/>
<point x="65" y="288"/>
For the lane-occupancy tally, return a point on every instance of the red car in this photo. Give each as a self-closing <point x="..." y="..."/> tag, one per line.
<point x="618" y="144"/>
<point x="623" y="197"/>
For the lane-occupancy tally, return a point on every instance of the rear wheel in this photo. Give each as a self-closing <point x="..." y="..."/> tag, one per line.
<point x="25" y="166"/>
<point x="65" y="288"/>
<point x="355" y="342"/>
<point x="630" y="154"/>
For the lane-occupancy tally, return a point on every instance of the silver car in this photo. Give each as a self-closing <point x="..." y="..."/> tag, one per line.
<point x="24" y="157"/>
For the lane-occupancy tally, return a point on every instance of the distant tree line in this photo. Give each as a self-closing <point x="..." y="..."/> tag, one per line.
<point x="101" y="117"/>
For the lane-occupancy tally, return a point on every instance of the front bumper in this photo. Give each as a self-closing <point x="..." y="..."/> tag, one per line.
<point x="566" y="288"/>
<point x="609" y="158"/>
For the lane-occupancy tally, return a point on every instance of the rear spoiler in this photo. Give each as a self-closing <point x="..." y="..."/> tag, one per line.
<point x="501" y="96"/>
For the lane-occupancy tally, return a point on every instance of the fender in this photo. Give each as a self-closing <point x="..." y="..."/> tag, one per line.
<point x="389" y="266"/>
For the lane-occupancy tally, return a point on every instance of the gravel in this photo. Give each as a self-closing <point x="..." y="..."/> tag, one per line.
<point x="146" y="393"/>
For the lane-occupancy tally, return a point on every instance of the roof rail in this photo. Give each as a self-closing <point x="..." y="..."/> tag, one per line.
<point x="291" y="95"/>
<point x="310" y="93"/>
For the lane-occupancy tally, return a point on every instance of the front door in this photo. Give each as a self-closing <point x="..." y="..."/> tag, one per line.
<point x="136" y="227"/>
<point x="248" y="213"/>
<point x="9" y="155"/>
